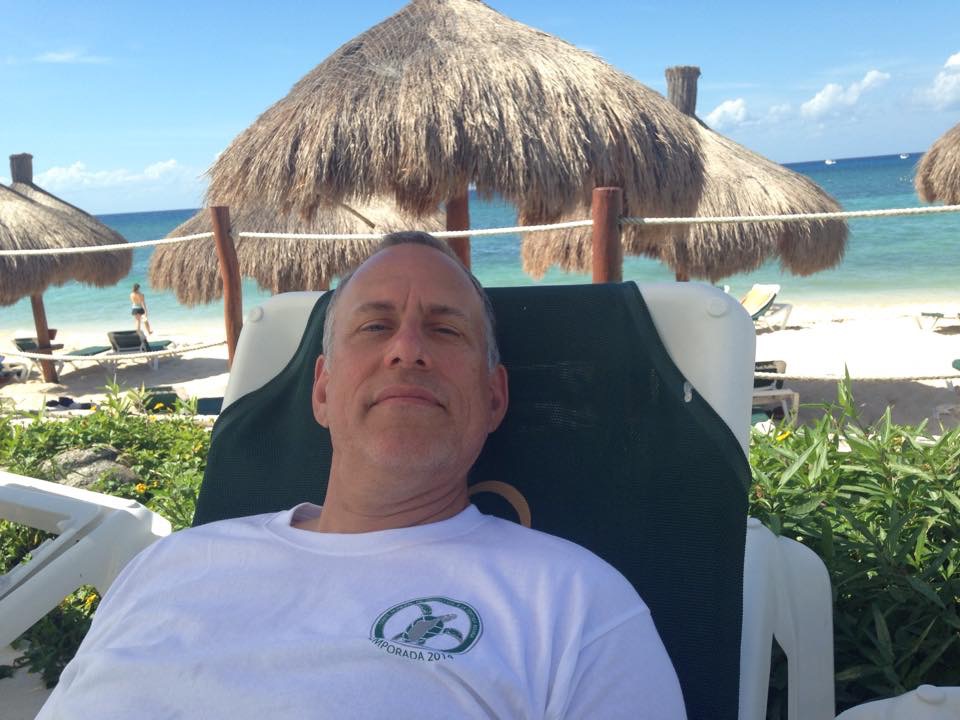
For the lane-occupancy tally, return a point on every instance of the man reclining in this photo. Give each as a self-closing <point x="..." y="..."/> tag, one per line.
<point x="397" y="598"/>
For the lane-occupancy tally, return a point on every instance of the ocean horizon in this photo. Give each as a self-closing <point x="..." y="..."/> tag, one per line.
<point x="896" y="260"/>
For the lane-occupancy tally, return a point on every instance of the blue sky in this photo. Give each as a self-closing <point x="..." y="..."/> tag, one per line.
<point x="124" y="105"/>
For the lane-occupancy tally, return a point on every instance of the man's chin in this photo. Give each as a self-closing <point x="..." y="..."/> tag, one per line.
<point x="410" y="452"/>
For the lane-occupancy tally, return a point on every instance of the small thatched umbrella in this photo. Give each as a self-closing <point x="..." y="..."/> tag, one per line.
<point x="448" y="93"/>
<point x="191" y="269"/>
<point x="28" y="225"/>
<point x="100" y="269"/>
<point x="938" y="174"/>
<point x="737" y="181"/>
<point x="25" y="225"/>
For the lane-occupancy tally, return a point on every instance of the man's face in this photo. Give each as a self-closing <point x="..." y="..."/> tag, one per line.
<point x="406" y="386"/>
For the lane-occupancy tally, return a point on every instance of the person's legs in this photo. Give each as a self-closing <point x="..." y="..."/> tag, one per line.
<point x="136" y="320"/>
<point x="146" y="324"/>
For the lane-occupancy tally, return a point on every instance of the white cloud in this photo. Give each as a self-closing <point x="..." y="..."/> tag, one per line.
<point x="834" y="97"/>
<point x="728" y="114"/>
<point x="776" y="113"/>
<point x="70" y="57"/>
<point x="77" y="176"/>
<point x="945" y="92"/>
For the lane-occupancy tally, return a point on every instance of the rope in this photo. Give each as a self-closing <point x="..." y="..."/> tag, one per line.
<point x="791" y="218"/>
<point x="879" y="378"/>
<point x="440" y="234"/>
<point x="104" y="248"/>
<point x="483" y="232"/>
<point x="113" y="355"/>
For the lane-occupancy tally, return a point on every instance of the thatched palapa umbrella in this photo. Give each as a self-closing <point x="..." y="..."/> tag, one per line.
<point x="737" y="181"/>
<point x="41" y="221"/>
<point x="938" y="173"/>
<point x="192" y="271"/>
<point x="100" y="269"/>
<point x="449" y="93"/>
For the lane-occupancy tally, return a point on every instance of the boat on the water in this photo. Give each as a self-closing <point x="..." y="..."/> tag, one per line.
<point x="904" y="156"/>
<point x="829" y="162"/>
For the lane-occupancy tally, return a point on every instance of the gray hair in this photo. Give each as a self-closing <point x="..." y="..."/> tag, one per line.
<point x="420" y="238"/>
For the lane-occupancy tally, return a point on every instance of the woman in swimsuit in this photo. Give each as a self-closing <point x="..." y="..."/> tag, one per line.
<point x="138" y="308"/>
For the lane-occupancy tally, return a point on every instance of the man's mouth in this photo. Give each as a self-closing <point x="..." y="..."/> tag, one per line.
<point x="409" y="394"/>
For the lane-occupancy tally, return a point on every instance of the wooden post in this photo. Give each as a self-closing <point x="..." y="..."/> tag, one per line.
<point x="458" y="218"/>
<point x="682" y="87"/>
<point x="47" y="367"/>
<point x="605" y="210"/>
<point x="682" y="92"/>
<point x="21" y="168"/>
<point x="230" y="273"/>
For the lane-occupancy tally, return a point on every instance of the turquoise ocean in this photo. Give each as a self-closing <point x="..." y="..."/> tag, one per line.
<point x="888" y="260"/>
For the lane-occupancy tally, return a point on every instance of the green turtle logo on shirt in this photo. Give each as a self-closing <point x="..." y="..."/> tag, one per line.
<point x="429" y="628"/>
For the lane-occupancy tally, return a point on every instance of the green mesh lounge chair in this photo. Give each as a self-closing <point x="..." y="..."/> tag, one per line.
<point x="610" y="445"/>
<point x="131" y="341"/>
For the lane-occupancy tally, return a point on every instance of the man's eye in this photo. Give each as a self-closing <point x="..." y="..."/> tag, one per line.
<point x="447" y="330"/>
<point x="373" y="327"/>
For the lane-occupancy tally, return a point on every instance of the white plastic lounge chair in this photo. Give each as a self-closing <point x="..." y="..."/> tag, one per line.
<point x="96" y="536"/>
<point x="786" y="593"/>
<point x="767" y="392"/>
<point x="760" y="303"/>
<point x="929" y="320"/>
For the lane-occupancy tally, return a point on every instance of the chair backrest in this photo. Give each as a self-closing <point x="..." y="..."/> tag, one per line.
<point x="127" y="340"/>
<point x="608" y="442"/>
<point x="759" y="298"/>
<point x="769" y="366"/>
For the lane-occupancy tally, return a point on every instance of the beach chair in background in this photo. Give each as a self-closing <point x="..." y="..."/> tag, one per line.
<point x="12" y="371"/>
<point x="628" y="436"/>
<point x="769" y="391"/>
<point x="133" y="341"/>
<point x="929" y="320"/>
<point x="760" y="302"/>
<point x="30" y="345"/>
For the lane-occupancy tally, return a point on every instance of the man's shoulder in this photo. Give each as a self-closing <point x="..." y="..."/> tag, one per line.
<point x="217" y="531"/>
<point x="558" y="556"/>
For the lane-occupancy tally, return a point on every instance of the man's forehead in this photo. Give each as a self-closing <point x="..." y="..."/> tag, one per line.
<point x="388" y="278"/>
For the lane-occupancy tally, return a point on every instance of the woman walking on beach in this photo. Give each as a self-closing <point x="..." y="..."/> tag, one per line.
<point x="138" y="308"/>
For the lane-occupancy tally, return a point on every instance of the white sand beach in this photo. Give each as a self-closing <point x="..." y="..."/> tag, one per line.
<point x="872" y="341"/>
<point x="198" y="373"/>
<point x="819" y="340"/>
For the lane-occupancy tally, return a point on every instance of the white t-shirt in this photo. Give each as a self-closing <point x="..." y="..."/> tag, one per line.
<point x="470" y="617"/>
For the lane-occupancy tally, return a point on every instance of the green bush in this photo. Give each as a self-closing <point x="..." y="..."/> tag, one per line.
<point x="167" y="453"/>
<point x="880" y="505"/>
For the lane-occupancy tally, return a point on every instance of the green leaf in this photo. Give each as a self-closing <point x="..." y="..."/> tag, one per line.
<point x="884" y="644"/>
<point x="925" y="590"/>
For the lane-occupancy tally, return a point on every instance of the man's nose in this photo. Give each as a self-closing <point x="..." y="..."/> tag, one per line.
<point x="408" y="347"/>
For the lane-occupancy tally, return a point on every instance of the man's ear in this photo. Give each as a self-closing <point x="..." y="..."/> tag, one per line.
<point x="499" y="396"/>
<point x="319" y="395"/>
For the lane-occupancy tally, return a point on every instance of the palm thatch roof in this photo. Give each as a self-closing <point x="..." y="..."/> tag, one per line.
<point x="737" y="181"/>
<point x="447" y="93"/>
<point x="938" y="174"/>
<point x="101" y="269"/>
<point x="25" y="225"/>
<point x="192" y="271"/>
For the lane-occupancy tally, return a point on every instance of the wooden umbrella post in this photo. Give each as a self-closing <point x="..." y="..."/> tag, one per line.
<point x="682" y="93"/>
<point x="458" y="218"/>
<point x="230" y="273"/>
<point x="47" y="367"/>
<point x="605" y="210"/>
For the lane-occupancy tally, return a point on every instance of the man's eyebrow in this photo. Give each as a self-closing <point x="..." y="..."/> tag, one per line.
<point x="447" y="310"/>
<point x="375" y="306"/>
